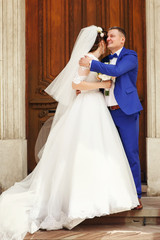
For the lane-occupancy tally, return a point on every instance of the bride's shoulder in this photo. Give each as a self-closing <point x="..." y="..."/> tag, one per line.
<point x="91" y="56"/>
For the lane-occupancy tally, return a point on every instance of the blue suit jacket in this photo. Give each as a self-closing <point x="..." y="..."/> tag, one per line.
<point x="125" y="70"/>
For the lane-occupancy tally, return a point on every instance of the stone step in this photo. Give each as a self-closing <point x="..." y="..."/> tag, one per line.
<point x="149" y="215"/>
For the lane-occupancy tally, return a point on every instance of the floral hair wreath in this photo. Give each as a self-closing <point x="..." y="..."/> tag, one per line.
<point x="100" y="30"/>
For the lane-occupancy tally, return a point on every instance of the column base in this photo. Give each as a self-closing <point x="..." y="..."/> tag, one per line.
<point x="153" y="166"/>
<point x="13" y="162"/>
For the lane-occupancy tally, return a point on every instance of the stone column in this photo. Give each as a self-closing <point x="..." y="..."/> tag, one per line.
<point x="153" y="96"/>
<point x="13" y="147"/>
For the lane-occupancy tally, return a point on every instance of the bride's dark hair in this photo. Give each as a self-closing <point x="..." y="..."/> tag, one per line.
<point x="98" y="40"/>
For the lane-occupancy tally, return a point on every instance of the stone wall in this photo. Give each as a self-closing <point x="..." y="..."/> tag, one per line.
<point x="153" y="95"/>
<point x="13" y="161"/>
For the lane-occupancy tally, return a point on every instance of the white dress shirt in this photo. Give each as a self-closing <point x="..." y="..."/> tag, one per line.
<point x="110" y="100"/>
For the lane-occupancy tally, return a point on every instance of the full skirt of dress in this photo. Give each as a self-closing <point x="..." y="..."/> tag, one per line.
<point x="83" y="173"/>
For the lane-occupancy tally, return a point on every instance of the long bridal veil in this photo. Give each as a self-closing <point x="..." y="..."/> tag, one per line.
<point x="19" y="204"/>
<point x="61" y="88"/>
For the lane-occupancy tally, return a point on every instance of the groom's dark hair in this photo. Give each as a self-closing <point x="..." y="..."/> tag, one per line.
<point x="119" y="29"/>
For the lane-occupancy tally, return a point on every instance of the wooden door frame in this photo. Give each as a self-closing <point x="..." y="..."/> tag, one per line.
<point x="129" y="37"/>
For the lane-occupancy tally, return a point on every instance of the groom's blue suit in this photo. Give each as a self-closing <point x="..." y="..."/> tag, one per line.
<point x="127" y="117"/>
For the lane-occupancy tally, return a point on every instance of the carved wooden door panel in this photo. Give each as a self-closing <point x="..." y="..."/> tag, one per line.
<point x="51" y="29"/>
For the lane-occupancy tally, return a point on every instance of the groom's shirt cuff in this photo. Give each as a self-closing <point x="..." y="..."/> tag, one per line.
<point x="90" y="62"/>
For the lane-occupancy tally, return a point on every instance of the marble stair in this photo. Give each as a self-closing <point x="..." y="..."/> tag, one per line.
<point x="149" y="215"/>
<point x="131" y="225"/>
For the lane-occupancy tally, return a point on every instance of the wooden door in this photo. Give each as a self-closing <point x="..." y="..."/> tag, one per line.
<point x="51" y="29"/>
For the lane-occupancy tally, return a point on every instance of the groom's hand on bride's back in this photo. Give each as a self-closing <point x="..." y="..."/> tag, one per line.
<point x="85" y="61"/>
<point x="78" y="92"/>
<point x="108" y="83"/>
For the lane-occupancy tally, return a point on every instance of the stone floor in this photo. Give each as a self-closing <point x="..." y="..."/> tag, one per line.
<point x="102" y="229"/>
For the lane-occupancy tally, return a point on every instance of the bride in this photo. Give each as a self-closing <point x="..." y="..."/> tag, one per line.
<point x="83" y="171"/>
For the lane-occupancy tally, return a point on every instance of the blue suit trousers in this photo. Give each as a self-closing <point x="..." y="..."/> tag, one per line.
<point x="128" y="128"/>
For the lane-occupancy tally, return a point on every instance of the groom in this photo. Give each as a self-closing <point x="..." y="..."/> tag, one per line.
<point x="123" y="100"/>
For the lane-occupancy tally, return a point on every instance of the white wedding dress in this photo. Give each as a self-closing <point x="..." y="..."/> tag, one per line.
<point x="83" y="172"/>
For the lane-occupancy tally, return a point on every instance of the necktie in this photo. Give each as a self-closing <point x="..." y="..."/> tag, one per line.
<point x="113" y="56"/>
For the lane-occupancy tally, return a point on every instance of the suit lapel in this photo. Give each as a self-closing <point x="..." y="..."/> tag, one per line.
<point x="121" y="54"/>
